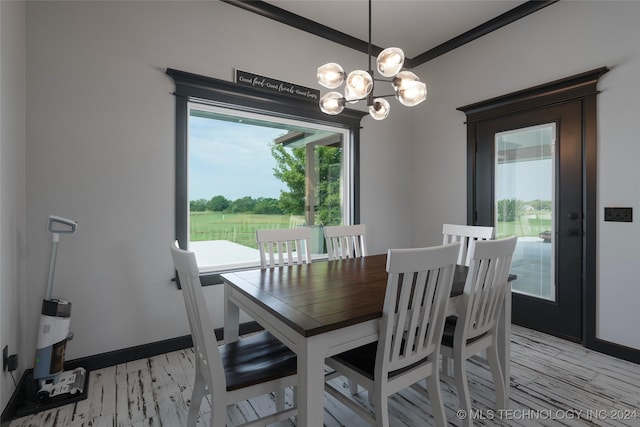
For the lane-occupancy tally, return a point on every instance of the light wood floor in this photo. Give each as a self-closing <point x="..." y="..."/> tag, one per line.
<point x="553" y="383"/>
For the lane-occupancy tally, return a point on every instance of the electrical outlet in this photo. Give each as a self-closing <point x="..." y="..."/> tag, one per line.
<point x="618" y="214"/>
<point x="12" y="363"/>
<point x="9" y="363"/>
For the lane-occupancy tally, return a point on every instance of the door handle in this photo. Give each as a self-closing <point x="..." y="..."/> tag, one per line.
<point x="571" y="232"/>
<point x="573" y="215"/>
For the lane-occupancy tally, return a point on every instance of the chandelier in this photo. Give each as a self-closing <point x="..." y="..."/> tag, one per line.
<point x="359" y="84"/>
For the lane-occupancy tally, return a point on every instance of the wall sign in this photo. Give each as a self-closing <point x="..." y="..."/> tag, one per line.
<point x="278" y="86"/>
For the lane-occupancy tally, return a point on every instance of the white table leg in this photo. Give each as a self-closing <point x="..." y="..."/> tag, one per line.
<point x="231" y="318"/>
<point x="311" y="353"/>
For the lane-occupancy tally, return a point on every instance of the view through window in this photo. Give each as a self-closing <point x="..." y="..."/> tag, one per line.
<point x="248" y="171"/>
<point x="525" y="182"/>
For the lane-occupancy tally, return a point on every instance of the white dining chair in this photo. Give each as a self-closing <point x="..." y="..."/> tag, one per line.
<point x="418" y="286"/>
<point x="476" y="327"/>
<point x="284" y="246"/>
<point x="345" y="241"/>
<point x="467" y="235"/>
<point x="234" y="372"/>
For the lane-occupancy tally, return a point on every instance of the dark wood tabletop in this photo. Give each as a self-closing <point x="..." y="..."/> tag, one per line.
<point x="323" y="296"/>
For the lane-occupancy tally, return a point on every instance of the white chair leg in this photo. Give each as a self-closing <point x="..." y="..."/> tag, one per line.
<point x="435" y="397"/>
<point x="381" y="409"/>
<point x="295" y="396"/>
<point x="462" y="388"/>
<point x="446" y="365"/>
<point x="498" y="378"/>
<point x="279" y="400"/>
<point x="199" y="388"/>
<point x="353" y="387"/>
<point x="371" y="397"/>
<point x="218" y="415"/>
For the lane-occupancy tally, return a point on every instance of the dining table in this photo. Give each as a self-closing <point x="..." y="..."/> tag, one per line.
<point x="325" y="308"/>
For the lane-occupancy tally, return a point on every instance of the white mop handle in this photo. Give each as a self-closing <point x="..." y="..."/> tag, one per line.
<point x="58" y="224"/>
<point x="52" y="265"/>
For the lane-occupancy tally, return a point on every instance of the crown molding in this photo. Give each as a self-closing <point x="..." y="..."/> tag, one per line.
<point x="288" y="18"/>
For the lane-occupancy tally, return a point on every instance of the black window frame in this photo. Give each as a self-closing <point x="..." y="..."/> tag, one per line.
<point x="191" y="87"/>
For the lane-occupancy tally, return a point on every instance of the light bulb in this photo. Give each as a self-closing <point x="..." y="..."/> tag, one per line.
<point x="331" y="75"/>
<point x="359" y="85"/>
<point x="402" y="78"/>
<point x="332" y="103"/>
<point x="380" y="109"/>
<point x="390" y="61"/>
<point x="412" y="93"/>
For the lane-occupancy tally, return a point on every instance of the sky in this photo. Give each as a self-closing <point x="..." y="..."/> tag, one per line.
<point x="231" y="159"/>
<point x="234" y="160"/>
<point x="525" y="181"/>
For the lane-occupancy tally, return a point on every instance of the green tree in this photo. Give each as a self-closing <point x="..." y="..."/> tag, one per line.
<point x="267" y="206"/>
<point x="199" y="205"/>
<point x="245" y="204"/>
<point x="290" y="169"/>
<point x="506" y="210"/>
<point x="329" y="211"/>
<point x="218" y="204"/>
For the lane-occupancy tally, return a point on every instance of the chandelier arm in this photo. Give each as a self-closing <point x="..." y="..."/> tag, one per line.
<point x="369" y="98"/>
<point x="353" y="101"/>
<point x="391" y="95"/>
<point x="370" y="69"/>
<point x="369" y="53"/>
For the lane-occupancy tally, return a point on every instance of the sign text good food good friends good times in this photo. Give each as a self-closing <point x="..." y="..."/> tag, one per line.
<point x="278" y="86"/>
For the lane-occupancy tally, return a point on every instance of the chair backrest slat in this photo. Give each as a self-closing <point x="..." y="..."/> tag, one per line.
<point x="284" y="246"/>
<point x="345" y="241"/>
<point x="205" y="347"/>
<point x="418" y="287"/>
<point x="467" y="235"/>
<point x="486" y="285"/>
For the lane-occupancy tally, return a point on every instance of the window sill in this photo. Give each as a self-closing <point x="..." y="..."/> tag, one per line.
<point x="211" y="275"/>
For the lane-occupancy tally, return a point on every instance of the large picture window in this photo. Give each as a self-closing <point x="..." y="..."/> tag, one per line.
<point x="249" y="171"/>
<point x="248" y="158"/>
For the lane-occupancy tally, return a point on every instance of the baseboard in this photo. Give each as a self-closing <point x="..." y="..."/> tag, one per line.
<point x="112" y="358"/>
<point x="615" y="350"/>
<point x="601" y="346"/>
<point x="116" y="357"/>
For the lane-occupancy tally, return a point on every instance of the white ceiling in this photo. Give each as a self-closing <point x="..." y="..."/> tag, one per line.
<point x="415" y="26"/>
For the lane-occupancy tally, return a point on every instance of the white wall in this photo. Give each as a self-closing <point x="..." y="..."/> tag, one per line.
<point x="385" y="155"/>
<point x="561" y="40"/>
<point x="100" y="150"/>
<point x="12" y="188"/>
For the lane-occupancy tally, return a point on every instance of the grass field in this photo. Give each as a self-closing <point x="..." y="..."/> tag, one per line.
<point x="239" y="228"/>
<point x="530" y="225"/>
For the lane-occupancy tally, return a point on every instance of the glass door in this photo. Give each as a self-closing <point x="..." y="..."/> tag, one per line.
<point x="528" y="183"/>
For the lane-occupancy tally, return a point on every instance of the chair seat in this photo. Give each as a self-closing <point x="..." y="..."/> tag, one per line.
<point x="256" y="359"/>
<point x="363" y="361"/>
<point x="449" y="332"/>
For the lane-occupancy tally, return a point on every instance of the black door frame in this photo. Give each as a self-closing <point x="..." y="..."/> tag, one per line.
<point x="561" y="316"/>
<point x="581" y="87"/>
